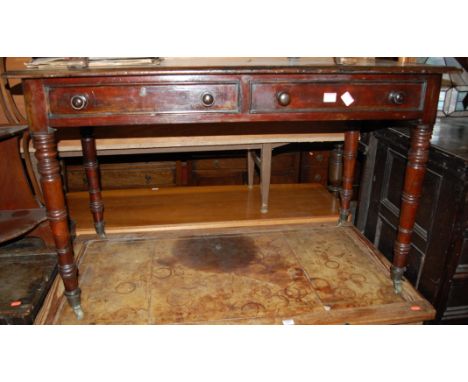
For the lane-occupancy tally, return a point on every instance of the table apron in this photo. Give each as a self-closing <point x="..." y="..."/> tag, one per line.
<point x="172" y="99"/>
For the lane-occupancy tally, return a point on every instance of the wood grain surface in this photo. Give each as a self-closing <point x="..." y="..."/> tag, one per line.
<point x="141" y="210"/>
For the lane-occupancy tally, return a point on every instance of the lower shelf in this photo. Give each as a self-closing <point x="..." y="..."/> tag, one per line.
<point x="140" y="210"/>
<point x="302" y="274"/>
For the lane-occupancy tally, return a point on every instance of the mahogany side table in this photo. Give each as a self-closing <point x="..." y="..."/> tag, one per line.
<point x="263" y="91"/>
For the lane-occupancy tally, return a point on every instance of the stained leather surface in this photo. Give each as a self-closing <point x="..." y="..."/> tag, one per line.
<point x="256" y="277"/>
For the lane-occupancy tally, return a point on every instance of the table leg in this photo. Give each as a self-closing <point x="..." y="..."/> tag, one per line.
<point x="412" y="189"/>
<point x="54" y="199"/>
<point x="349" y="166"/>
<point x="335" y="170"/>
<point x="91" y="166"/>
<point x="265" y="175"/>
<point x="250" y="167"/>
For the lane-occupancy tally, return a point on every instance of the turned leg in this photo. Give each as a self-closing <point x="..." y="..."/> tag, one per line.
<point x="54" y="199"/>
<point x="335" y="170"/>
<point x="91" y="167"/>
<point x="414" y="177"/>
<point x="265" y="175"/>
<point x="250" y="167"/>
<point x="349" y="166"/>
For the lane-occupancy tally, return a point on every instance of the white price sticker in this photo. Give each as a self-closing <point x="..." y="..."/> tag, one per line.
<point x="347" y="98"/>
<point x="329" y="97"/>
<point x="288" y="322"/>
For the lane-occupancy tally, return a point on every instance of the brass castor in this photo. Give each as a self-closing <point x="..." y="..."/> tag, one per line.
<point x="74" y="300"/>
<point x="100" y="230"/>
<point x="79" y="313"/>
<point x="397" y="277"/>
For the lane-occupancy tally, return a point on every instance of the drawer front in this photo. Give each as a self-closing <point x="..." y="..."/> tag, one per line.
<point x="318" y="96"/>
<point x="144" y="99"/>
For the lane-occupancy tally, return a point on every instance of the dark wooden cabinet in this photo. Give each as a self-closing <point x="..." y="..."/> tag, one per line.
<point x="438" y="260"/>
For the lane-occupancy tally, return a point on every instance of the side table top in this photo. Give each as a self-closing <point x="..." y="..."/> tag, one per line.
<point x="235" y="65"/>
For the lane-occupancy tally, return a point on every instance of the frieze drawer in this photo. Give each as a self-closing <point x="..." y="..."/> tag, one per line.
<point x="144" y="99"/>
<point x="317" y="96"/>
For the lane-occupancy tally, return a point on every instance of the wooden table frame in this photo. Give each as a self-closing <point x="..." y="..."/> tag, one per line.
<point x="186" y="91"/>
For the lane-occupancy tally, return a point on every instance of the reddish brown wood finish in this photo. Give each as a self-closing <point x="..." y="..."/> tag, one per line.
<point x="412" y="188"/>
<point x="15" y="223"/>
<point x="349" y="166"/>
<point x="15" y="192"/>
<point x="91" y="167"/>
<point x="414" y="177"/>
<point x="247" y="92"/>
<point x="307" y="96"/>
<point x="15" y="117"/>
<point x="22" y="213"/>
<point x="49" y="169"/>
<point x="248" y="98"/>
<point x="146" y="98"/>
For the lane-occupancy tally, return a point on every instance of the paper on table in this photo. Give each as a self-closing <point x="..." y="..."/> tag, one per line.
<point x="84" y="62"/>
<point x="57" y="62"/>
<point x="121" y="61"/>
